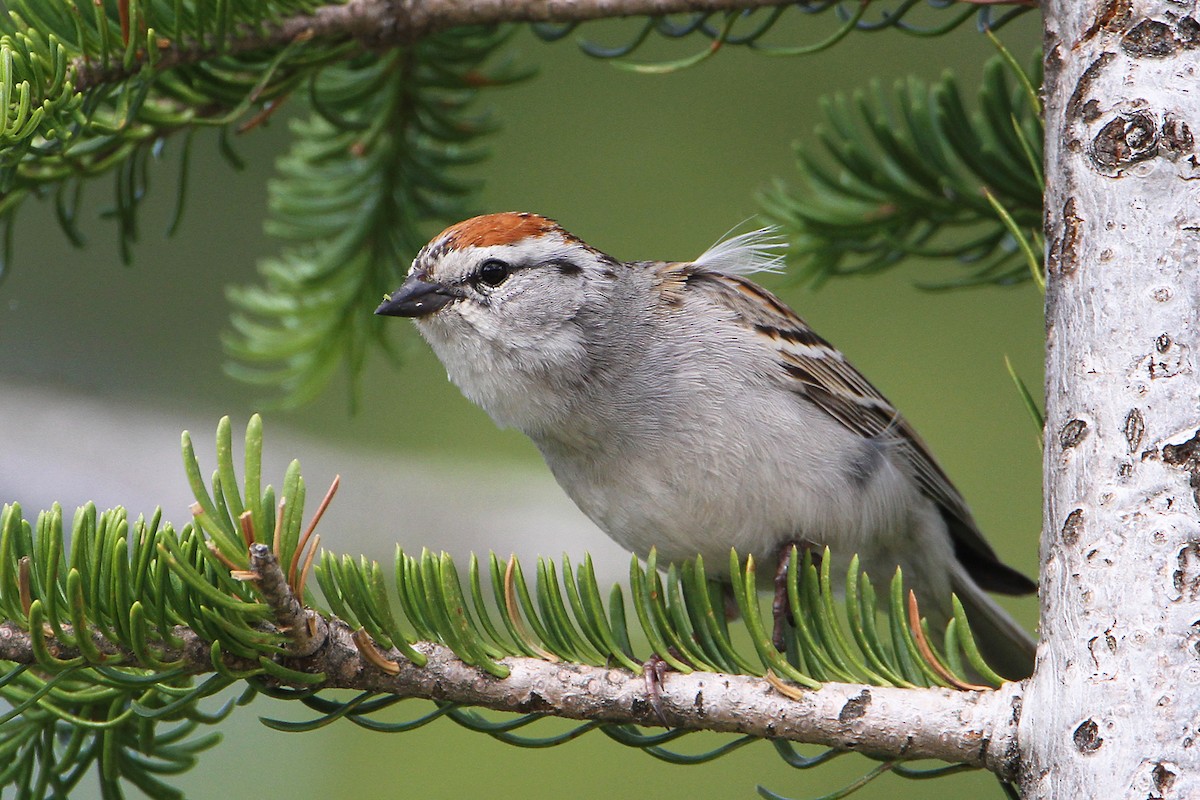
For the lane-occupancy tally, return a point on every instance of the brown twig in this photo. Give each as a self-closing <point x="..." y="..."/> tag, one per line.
<point x="290" y="615"/>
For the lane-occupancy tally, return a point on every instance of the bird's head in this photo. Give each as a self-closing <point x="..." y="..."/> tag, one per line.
<point x="509" y="302"/>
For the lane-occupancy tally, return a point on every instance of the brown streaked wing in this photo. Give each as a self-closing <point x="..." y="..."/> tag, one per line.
<point x="821" y="374"/>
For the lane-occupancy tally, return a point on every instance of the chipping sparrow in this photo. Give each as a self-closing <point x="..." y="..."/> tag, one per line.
<point x="683" y="407"/>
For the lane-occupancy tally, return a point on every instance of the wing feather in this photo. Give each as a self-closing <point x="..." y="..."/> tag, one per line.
<point x="818" y="372"/>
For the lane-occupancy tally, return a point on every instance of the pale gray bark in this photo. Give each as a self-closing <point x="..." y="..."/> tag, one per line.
<point x="1113" y="709"/>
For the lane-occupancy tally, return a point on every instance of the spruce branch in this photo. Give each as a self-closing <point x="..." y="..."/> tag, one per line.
<point x="356" y="20"/>
<point x="912" y="173"/>
<point x="187" y="651"/>
<point x="383" y="24"/>
<point x="971" y="728"/>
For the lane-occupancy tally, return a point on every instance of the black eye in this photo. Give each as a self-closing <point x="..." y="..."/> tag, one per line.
<point x="493" y="272"/>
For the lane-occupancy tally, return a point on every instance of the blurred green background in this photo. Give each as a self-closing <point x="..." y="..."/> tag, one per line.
<point x="101" y="365"/>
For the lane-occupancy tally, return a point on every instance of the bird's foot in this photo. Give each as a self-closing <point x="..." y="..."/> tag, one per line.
<point x="653" y="671"/>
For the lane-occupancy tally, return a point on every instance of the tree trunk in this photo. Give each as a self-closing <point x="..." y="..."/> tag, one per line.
<point x="1114" y="708"/>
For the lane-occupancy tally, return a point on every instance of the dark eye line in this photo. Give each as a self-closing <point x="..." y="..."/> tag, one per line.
<point x="566" y="267"/>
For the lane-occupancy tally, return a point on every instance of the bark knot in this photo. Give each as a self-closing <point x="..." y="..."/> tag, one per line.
<point x="1187" y="571"/>
<point x="1087" y="737"/>
<point x="1134" y="428"/>
<point x="1185" y="455"/>
<point x="1150" y="38"/>
<point x="1064" y="251"/>
<point x="534" y="703"/>
<point x="1114" y="17"/>
<point x="1153" y="38"/>
<point x="1187" y="31"/>
<point x="1072" y="527"/>
<point x="1177" y="138"/>
<point x="1072" y="433"/>
<point x="1126" y="139"/>
<point x="1164" y="778"/>
<point x="1170" y="358"/>
<point x="855" y="707"/>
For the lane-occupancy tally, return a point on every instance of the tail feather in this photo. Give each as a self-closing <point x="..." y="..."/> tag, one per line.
<point x="1005" y="645"/>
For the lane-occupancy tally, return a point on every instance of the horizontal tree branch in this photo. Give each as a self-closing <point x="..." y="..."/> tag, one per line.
<point x="422" y="17"/>
<point x="387" y="23"/>
<point x="975" y="728"/>
<point x="403" y="21"/>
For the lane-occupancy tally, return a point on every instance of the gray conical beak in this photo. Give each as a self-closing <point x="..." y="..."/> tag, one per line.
<point x="417" y="297"/>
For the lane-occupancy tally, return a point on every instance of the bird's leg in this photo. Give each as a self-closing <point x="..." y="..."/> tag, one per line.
<point x="780" y="607"/>
<point x="652" y="673"/>
<point x="731" y="607"/>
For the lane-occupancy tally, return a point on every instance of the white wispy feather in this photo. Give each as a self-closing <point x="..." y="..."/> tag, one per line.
<point x="760" y="250"/>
